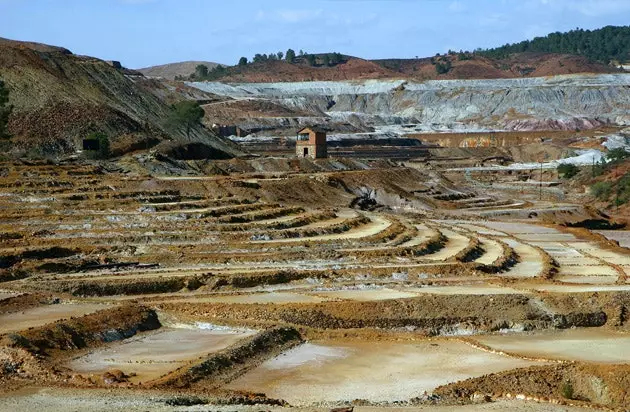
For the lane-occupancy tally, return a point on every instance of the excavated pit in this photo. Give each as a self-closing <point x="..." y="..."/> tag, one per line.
<point x="268" y="281"/>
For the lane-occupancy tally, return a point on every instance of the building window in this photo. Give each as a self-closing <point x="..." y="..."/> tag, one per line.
<point x="303" y="138"/>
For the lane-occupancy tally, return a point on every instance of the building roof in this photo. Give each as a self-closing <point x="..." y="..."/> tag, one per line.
<point x="316" y="129"/>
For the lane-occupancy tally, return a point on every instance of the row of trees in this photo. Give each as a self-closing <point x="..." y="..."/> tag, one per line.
<point x="605" y="45"/>
<point x="329" y="59"/>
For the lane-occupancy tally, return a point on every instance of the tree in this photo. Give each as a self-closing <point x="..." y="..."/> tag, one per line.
<point x="617" y="154"/>
<point x="280" y="55"/>
<point x="243" y="61"/>
<point x="568" y="170"/>
<point x="335" y="58"/>
<point x="290" y="56"/>
<point x="201" y="71"/>
<point x="326" y="60"/>
<point x="311" y="59"/>
<point x="301" y="53"/>
<point x="5" y="111"/>
<point x="258" y="58"/>
<point x="186" y="114"/>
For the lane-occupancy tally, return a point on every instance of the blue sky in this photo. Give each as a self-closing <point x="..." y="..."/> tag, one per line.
<point x="148" y="32"/>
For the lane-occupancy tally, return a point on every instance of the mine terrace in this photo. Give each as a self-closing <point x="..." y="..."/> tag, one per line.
<point x="381" y="242"/>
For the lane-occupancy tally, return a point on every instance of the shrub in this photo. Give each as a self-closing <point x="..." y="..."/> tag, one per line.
<point x="103" y="151"/>
<point x="567" y="390"/>
<point x="616" y="155"/>
<point x="602" y="190"/>
<point x="568" y="170"/>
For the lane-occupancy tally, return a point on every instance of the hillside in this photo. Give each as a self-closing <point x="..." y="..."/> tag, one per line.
<point x="578" y="51"/>
<point x="172" y="70"/>
<point x="59" y="98"/>
<point x="460" y="66"/>
<point x="609" y="44"/>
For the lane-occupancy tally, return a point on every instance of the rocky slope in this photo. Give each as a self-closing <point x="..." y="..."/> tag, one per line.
<point x="59" y="98"/>
<point x="547" y="103"/>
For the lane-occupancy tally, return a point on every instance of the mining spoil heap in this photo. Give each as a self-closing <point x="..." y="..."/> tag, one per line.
<point x="343" y="283"/>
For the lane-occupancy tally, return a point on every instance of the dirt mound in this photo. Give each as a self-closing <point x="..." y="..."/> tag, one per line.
<point x="172" y="70"/>
<point x="602" y="385"/>
<point x="90" y="330"/>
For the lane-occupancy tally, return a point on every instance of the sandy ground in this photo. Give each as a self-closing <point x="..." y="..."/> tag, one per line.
<point x="590" y="345"/>
<point x="621" y="236"/>
<point x="493" y="251"/>
<point x="152" y="355"/>
<point x="42" y="315"/>
<point x="271" y="297"/>
<point x="366" y="295"/>
<point x="455" y="244"/>
<point x="337" y="371"/>
<point x="467" y="290"/>
<point x="531" y="263"/>
<point x="6" y="294"/>
<point x="64" y="400"/>
<point x="580" y="288"/>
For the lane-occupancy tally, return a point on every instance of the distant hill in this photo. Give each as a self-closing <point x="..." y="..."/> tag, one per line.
<point x="171" y="70"/>
<point x="605" y="45"/>
<point x="578" y="51"/>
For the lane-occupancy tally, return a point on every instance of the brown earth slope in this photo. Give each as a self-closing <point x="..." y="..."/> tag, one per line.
<point x="462" y="67"/>
<point x="59" y="98"/>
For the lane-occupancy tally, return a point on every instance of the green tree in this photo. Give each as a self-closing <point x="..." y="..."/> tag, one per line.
<point x="311" y="59"/>
<point x="186" y="114"/>
<point x="201" y="71"/>
<point x="443" y="67"/>
<point x="602" y="190"/>
<point x="5" y="111"/>
<point x="326" y="60"/>
<point x="280" y="55"/>
<point x="568" y="170"/>
<point x="103" y="151"/>
<point x="290" y="56"/>
<point x="242" y="61"/>
<point x="616" y="155"/>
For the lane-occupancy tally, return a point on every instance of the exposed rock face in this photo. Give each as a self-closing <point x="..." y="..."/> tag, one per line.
<point x="561" y="102"/>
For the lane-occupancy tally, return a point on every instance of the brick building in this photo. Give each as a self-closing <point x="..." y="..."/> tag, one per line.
<point x="311" y="142"/>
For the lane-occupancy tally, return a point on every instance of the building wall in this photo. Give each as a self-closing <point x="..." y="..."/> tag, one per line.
<point x="314" y="151"/>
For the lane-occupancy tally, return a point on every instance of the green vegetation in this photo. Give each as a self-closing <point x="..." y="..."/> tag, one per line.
<point x="567" y="390"/>
<point x="201" y="71"/>
<point x="290" y="57"/>
<point x="568" y="170"/>
<point x="186" y="114"/>
<point x="605" y="45"/>
<point x="311" y="59"/>
<point x="619" y="187"/>
<point x="602" y="190"/>
<point x="243" y="61"/>
<point x="617" y="155"/>
<point x="103" y="151"/>
<point x="443" y="67"/>
<point x="5" y="111"/>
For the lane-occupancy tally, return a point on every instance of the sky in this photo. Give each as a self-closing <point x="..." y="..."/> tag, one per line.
<point x="142" y="33"/>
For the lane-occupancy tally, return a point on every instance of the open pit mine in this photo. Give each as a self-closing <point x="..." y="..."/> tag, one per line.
<point x="435" y="259"/>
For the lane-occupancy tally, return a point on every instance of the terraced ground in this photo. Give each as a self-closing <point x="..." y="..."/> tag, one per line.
<point x="252" y="290"/>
